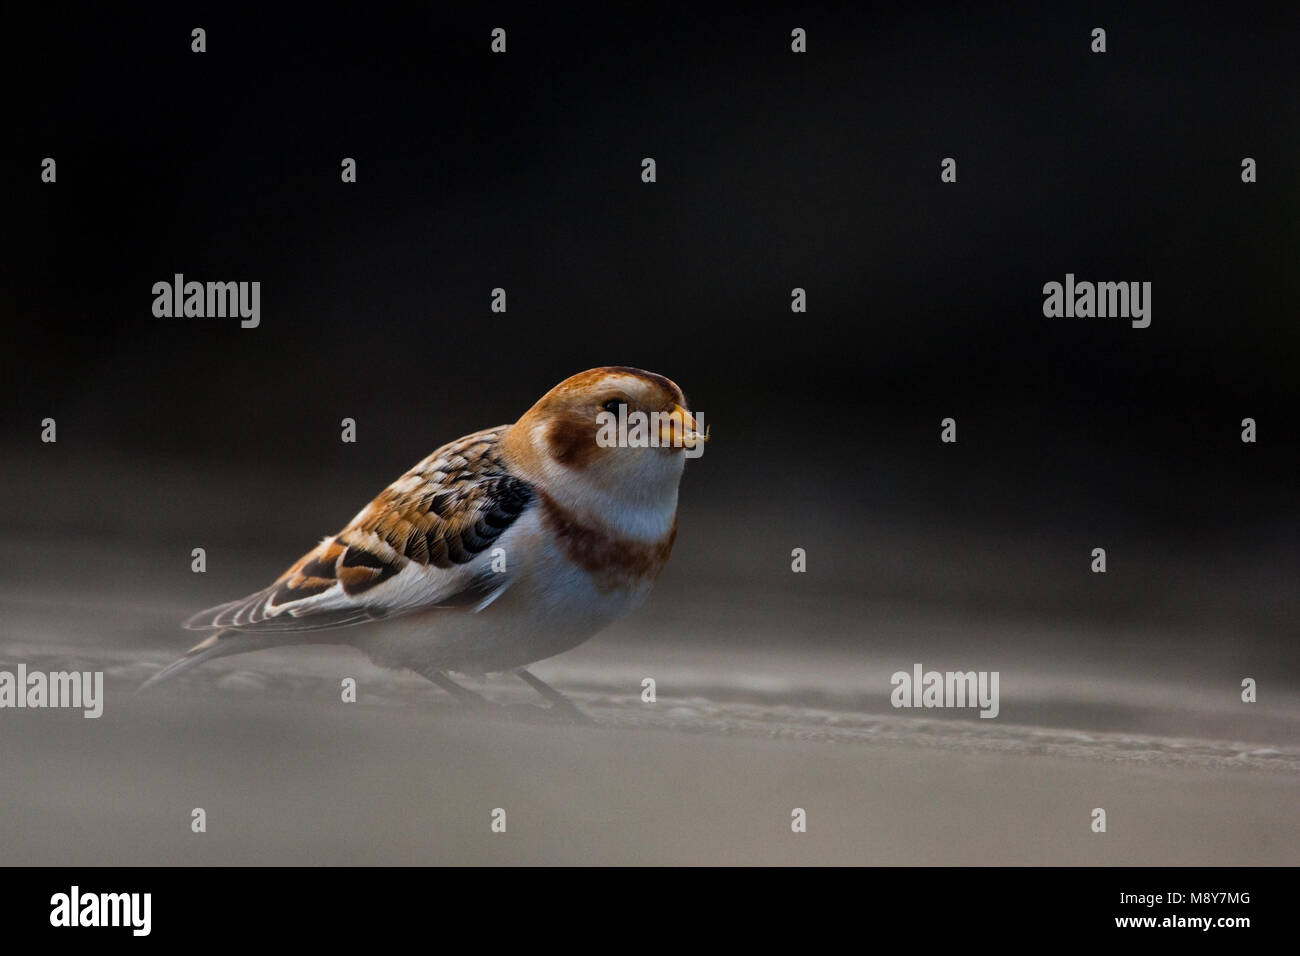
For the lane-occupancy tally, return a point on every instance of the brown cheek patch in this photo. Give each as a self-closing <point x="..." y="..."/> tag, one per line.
<point x="614" y="562"/>
<point x="572" y="442"/>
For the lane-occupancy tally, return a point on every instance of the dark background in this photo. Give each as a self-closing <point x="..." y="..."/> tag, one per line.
<point x="775" y="170"/>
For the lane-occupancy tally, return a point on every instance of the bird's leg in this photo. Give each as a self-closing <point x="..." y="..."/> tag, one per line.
<point x="559" y="703"/>
<point x="462" y="694"/>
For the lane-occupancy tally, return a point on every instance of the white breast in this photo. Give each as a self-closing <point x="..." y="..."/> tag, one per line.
<point x="550" y="605"/>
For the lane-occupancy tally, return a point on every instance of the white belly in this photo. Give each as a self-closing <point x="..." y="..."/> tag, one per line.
<point x="549" y="607"/>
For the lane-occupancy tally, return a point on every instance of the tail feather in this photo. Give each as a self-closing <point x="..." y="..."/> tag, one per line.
<point x="210" y="647"/>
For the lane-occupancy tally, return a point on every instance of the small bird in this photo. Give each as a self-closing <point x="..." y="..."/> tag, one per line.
<point x="502" y="548"/>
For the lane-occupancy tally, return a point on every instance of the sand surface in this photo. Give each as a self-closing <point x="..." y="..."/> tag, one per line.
<point x="709" y="773"/>
<point x="772" y="693"/>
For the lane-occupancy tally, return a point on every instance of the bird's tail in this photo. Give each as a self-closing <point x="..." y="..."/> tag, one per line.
<point x="217" y="644"/>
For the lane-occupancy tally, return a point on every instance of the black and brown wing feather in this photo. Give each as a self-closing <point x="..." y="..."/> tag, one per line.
<point x="440" y="515"/>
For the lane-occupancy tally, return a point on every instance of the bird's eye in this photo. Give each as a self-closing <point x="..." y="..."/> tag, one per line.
<point x="611" y="406"/>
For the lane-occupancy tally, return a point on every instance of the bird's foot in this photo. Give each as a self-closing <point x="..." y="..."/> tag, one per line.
<point x="561" y="707"/>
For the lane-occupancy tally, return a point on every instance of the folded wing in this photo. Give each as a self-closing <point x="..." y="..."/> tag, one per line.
<point x="413" y="547"/>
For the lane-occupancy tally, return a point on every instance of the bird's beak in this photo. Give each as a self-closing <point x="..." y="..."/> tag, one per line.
<point x="680" y="430"/>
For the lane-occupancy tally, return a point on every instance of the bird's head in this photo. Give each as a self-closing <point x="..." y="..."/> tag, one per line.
<point x="613" y="431"/>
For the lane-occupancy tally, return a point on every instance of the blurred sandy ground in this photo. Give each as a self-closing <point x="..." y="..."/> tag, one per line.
<point x="772" y="694"/>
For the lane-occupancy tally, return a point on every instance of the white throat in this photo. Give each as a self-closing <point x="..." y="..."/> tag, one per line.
<point x="642" y="507"/>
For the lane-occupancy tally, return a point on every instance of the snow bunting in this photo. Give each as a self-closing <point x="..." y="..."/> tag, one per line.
<point x="500" y="549"/>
